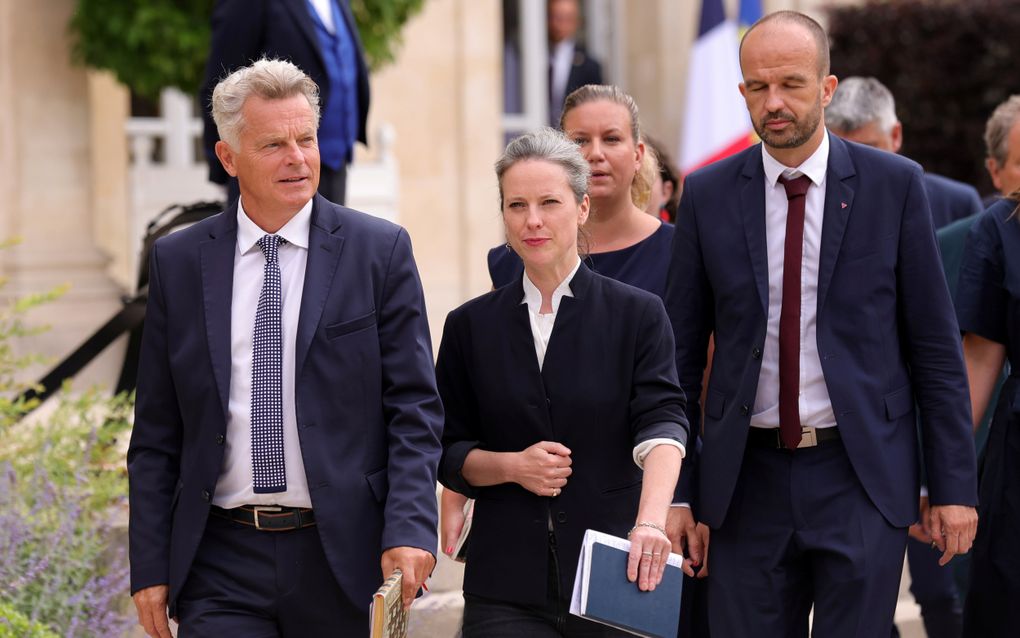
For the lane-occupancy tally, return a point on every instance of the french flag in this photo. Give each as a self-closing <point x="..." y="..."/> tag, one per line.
<point x="716" y="123"/>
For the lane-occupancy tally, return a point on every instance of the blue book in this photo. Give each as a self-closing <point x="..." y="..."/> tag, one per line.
<point x="603" y="594"/>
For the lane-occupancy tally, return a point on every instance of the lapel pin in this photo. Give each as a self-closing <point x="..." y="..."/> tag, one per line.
<point x="842" y="204"/>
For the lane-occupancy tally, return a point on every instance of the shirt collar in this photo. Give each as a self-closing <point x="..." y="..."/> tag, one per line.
<point x="294" y="231"/>
<point x="533" y="296"/>
<point x="814" y="167"/>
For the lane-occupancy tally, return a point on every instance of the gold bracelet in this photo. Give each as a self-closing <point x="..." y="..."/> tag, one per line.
<point x="647" y="524"/>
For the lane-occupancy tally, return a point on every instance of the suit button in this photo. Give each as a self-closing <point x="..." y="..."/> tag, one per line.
<point x="744" y="410"/>
<point x="206" y="496"/>
<point x="756" y="353"/>
<point x="561" y="517"/>
<point x="220" y="439"/>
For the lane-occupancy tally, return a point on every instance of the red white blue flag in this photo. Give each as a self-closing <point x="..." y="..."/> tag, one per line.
<point x="716" y="123"/>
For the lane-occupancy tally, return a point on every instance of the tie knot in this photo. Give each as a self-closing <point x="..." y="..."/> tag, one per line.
<point x="795" y="187"/>
<point x="270" y="245"/>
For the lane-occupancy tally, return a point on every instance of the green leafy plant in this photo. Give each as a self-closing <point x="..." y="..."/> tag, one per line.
<point x="147" y="44"/>
<point x="62" y="486"/>
<point x="14" y="624"/>
<point x="153" y="44"/>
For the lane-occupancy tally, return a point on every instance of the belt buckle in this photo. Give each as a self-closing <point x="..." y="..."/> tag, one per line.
<point x="264" y="508"/>
<point x="808" y="437"/>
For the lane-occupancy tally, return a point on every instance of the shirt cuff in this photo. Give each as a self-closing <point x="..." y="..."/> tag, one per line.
<point x="642" y="449"/>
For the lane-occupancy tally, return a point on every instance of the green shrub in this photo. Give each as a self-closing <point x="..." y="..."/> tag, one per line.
<point x="62" y="484"/>
<point x="14" y="624"/>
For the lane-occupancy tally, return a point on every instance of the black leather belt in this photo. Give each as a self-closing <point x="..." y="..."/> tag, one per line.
<point x="269" y="518"/>
<point x="810" y="437"/>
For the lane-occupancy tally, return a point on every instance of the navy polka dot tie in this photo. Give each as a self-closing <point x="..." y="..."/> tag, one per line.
<point x="268" y="470"/>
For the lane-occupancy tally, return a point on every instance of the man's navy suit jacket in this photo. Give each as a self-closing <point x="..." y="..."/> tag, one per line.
<point x="245" y="30"/>
<point x="368" y="413"/>
<point x="950" y="200"/>
<point x="887" y="334"/>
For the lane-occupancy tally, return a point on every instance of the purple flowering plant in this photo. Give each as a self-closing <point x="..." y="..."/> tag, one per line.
<point x="63" y="500"/>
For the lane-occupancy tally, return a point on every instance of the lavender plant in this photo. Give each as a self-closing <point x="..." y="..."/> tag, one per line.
<point x="62" y="489"/>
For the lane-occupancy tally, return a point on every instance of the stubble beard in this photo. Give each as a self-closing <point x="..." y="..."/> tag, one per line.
<point x="797" y="135"/>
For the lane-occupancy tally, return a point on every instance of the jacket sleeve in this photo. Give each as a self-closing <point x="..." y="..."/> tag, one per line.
<point x="460" y="434"/>
<point x="690" y="306"/>
<point x="411" y="406"/>
<point x="656" y="400"/>
<point x="935" y="356"/>
<point x="153" y="457"/>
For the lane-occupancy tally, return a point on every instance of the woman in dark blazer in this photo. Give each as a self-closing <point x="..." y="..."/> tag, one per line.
<point x="563" y="411"/>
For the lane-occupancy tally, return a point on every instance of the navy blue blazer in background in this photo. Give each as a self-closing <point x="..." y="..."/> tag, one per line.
<point x="950" y="200"/>
<point x="368" y="412"/>
<point x="608" y="380"/>
<point x="245" y="30"/>
<point x="887" y="332"/>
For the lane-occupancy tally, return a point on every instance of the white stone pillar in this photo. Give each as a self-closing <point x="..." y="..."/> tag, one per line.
<point x="45" y="180"/>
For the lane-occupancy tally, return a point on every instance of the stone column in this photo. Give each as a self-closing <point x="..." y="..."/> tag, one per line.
<point x="45" y="179"/>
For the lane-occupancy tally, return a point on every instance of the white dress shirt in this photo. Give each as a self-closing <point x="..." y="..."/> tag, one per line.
<point x="541" y="331"/>
<point x="325" y="10"/>
<point x="815" y="405"/>
<point x="561" y="59"/>
<point x="234" y="487"/>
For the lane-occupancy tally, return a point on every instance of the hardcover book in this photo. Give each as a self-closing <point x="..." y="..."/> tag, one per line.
<point x="602" y="592"/>
<point x="387" y="614"/>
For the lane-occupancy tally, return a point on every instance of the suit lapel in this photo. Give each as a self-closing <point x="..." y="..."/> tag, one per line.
<point x="752" y="207"/>
<point x="324" y="247"/>
<point x="839" y="199"/>
<point x="217" y="260"/>
<point x="302" y="14"/>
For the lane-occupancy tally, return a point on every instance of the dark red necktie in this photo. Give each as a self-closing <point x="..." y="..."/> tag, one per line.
<point x="789" y="316"/>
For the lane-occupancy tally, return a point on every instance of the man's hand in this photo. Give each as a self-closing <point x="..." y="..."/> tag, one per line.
<point x="416" y="565"/>
<point x="683" y="534"/>
<point x="952" y="529"/>
<point x="704" y="533"/>
<point x="919" y="530"/>
<point x="151" y="605"/>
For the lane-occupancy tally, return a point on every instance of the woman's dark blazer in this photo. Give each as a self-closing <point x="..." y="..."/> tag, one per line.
<point x="608" y="382"/>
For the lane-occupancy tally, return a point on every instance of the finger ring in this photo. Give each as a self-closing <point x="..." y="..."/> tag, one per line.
<point x="657" y="554"/>
<point x="646" y="554"/>
<point x="934" y="545"/>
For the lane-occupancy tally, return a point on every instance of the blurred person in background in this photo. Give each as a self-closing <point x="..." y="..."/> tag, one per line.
<point x="570" y="66"/>
<point x="1002" y="145"/>
<point x="321" y="38"/>
<point x="665" y="193"/>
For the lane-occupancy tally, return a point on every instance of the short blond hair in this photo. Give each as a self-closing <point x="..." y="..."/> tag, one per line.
<point x="269" y="79"/>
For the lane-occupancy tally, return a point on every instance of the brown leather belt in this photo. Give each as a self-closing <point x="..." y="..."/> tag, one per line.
<point x="810" y="437"/>
<point x="268" y="518"/>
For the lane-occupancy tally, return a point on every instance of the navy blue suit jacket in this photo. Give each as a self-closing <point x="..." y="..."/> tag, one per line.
<point x="368" y="412"/>
<point x="245" y="30"/>
<point x="887" y="333"/>
<point x="950" y="200"/>
<point x="608" y="381"/>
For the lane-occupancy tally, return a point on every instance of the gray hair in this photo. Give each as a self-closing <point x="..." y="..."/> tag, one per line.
<point x="265" y="78"/>
<point x="997" y="129"/>
<point x="547" y="145"/>
<point x="858" y="101"/>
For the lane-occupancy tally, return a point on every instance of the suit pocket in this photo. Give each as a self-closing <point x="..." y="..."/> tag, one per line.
<point x="715" y="404"/>
<point x="353" y="325"/>
<point x="899" y="403"/>
<point x="379" y="483"/>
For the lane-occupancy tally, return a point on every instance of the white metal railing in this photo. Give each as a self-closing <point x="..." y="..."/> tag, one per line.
<point x="180" y="175"/>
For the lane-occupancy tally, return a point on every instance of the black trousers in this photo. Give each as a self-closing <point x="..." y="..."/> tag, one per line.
<point x="254" y="584"/>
